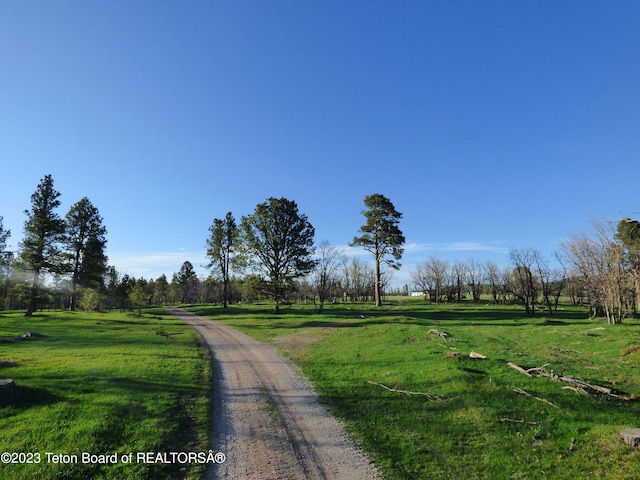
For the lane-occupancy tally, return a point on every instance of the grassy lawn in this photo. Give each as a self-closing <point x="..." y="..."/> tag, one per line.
<point x="103" y="384"/>
<point x="475" y="426"/>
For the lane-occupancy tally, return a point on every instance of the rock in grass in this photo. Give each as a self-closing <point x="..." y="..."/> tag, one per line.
<point x="24" y="336"/>
<point x="7" y="385"/>
<point x="631" y="436"/>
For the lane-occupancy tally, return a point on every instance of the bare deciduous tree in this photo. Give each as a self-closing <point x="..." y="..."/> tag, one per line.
<point x="358" y="279"/>
<point x="325" y="277"/>
<point x="524" y="285"/>
<point x="458" y="280"/>
<point x="552" y="281"/>
<point x="431" y="278"/>
<point x="492" y="275"/>
<point x="600" y="261"/>
<point x="475" y="278"/>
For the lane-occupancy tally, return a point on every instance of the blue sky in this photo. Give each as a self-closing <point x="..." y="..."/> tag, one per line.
<point x="488" y="124"/>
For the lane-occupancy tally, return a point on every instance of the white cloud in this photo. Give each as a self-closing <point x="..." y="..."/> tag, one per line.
<point x="455" y="247"/>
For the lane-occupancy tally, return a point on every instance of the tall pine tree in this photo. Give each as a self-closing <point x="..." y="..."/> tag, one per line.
<point x="85" y="242"/>
<point x="222" y="249"/>
<point x="40" y="249"/>
<point x="381" y="236"/>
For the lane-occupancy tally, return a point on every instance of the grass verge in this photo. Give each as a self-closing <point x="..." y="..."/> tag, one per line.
<point x="102" y="384"/>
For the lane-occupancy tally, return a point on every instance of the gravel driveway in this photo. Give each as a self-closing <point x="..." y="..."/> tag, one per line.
<point x="267" y="419"/>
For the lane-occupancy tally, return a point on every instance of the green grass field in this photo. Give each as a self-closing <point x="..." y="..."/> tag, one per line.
<point x="475" y="425"/>
<point x="114" y="383"/>
<point x="102" y="384"/>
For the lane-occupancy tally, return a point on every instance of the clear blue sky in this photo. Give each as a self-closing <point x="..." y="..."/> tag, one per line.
<point x="489" y="124"/>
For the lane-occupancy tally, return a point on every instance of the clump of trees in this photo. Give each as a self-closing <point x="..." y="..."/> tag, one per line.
<point x="71" y="250"/>
<point x="270" y="254"/>
<point x="607" y="266"/>
<point x="601" y="270"/>
<point x="529" y="280"/>
<point x="276" y="244"/>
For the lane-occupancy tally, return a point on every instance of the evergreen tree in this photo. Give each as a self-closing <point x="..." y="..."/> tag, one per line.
<point x="85" y="241"/>
<point x="4" y="236"/>
<point x="5" y="262"/>
<point x="280" y="240"/>
<point x="381" y="236"/>
<point x="160" y="289"/>
<point x="187" y="283"/>
<point x="43" y="230"/>
<point x="222" y="249"/>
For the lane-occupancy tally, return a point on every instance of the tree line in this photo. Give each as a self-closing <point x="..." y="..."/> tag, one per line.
<point x="274" y="247"/>
<point x="600" y="270"/>
<point x="73" y="247"/>
<point x="529" y="280"/>
<point x="272" y="254"/>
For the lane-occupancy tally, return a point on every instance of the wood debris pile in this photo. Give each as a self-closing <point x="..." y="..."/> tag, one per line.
<point x="574" y="384"/>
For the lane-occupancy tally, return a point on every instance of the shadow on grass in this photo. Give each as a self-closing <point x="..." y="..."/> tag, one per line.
<point x="24" y="397"/>
<point x="357" y="315"/>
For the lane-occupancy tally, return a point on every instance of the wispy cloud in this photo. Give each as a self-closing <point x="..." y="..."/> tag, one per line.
<point x="495" y="247"/>
<point x="415" y="249"/>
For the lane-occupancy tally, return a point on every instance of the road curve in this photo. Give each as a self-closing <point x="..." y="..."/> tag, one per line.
<point x="267" y="419"/>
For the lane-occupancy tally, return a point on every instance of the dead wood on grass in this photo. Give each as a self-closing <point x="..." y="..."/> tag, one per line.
<point x="579" y="386"/>
<point x="407" y="392"/>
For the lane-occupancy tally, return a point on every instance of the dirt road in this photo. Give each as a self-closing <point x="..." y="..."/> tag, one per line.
<point x="267" y="419"/>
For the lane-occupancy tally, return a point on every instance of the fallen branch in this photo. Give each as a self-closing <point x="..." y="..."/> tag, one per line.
<point x="517" y="421"/>
<point x="543" y="400"/>
<point x="577" y="390"/>
<point x="407" y="392"/>
<point x="519" y="369"/>
<point x="584" y="385"/>
<point x="521" y="392"/>
<point x="578" y="386"/>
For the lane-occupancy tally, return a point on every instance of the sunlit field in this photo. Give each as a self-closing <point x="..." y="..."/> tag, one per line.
<point x="401" y="378"/>
<point x="102" y="384"/>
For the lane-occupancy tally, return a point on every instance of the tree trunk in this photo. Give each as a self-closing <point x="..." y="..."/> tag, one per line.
<point x="31" y="307"/>
<point x="225" y="292"/>
<point x="74" y="282"/>
<point x="225" y="278"/>
<point x="377" y="283"/>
